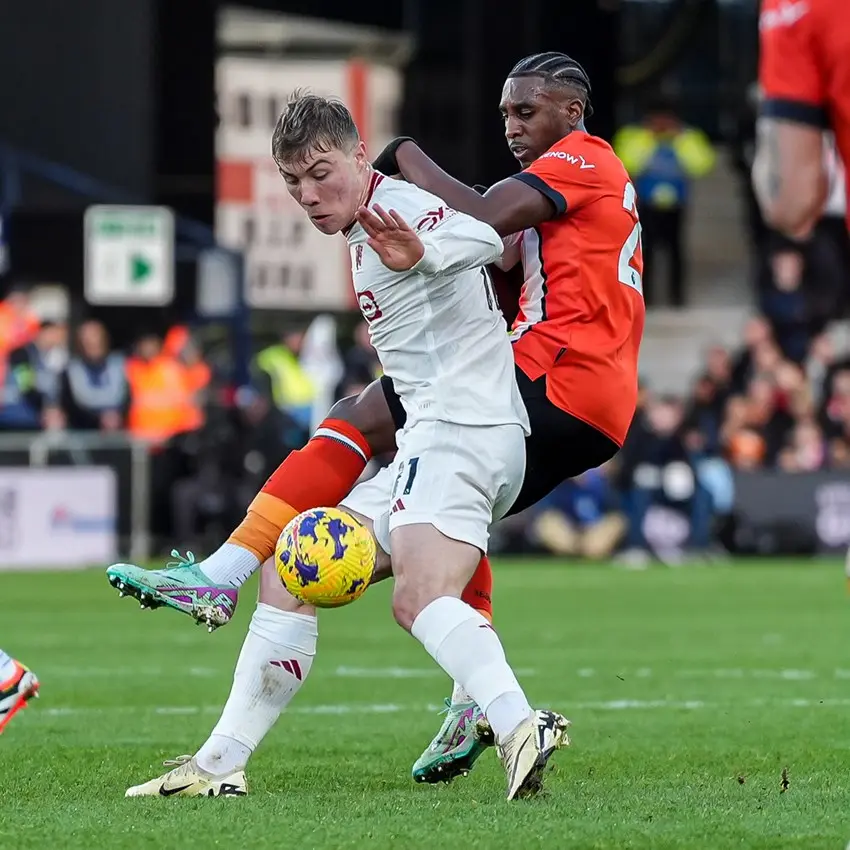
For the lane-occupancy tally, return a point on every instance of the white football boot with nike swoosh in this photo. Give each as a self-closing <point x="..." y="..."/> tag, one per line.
<point x="525" y="751"/>
<point x="188" y="780"/>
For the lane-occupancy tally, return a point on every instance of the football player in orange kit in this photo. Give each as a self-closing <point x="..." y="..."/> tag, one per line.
<point x="804" y="75"/>
<point x="570" y="216"/>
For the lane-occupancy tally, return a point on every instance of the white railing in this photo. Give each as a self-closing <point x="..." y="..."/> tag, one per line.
<point x="79" y="446"/>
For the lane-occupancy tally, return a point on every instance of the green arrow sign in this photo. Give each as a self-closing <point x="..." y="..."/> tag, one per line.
<point x="140" y="268"/>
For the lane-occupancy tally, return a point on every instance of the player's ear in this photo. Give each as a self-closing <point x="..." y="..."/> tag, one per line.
<point x="360" y="156"/>
<point x="574" y="110"/>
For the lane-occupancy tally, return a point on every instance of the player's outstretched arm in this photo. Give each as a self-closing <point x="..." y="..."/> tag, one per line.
<point x="509" y="207"/>
<point x="789" y="175"/>
<point x="391" y="238"/>
<point x="438" y="242"/>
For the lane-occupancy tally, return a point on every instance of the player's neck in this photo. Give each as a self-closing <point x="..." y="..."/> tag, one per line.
<point x="363" y="197"/>
<point x="366" y="186"/>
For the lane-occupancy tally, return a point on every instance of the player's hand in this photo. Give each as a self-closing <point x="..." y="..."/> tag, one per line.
<point x="391" y="238"/>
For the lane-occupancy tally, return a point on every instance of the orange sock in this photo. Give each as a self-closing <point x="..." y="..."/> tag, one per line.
<point x="319" y="475"/>
<point x="478" y="593"/>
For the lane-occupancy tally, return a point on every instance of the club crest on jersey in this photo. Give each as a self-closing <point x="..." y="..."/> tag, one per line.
<point x="369" y="306"/>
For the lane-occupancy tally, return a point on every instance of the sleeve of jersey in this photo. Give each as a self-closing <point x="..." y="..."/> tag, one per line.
<point x="567" y="180"/>
<point x="789" y="73"/>
<point x="512" y="252"/>
<point x="454" y="242"/>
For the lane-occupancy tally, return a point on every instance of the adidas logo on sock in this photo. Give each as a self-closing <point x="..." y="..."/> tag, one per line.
<point x="291" y="666"/>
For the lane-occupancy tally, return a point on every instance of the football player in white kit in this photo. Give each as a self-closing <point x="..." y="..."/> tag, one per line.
<point x="417" y="268"/>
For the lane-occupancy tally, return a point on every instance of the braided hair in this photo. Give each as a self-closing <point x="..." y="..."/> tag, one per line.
<point x="559" y="69"/>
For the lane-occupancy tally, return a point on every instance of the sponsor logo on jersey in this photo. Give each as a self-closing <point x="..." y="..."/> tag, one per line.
<point x="369" y="306"/>
<point x="433" y="218"/>
<point x="358" y="257"/>
<point x="579" y="160"/>
<point x="785" y="15"/>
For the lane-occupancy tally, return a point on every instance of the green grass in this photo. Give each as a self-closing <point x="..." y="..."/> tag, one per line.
<point x="690" y="691"/>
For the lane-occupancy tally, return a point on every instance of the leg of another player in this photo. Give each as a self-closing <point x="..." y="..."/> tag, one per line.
<point x="431" y="571"/>
<point x="18" y="685"/>
<point x="320" y="474"/>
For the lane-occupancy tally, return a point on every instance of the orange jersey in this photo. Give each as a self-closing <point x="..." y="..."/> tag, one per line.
<point x="581" y="310"/>
<point x="804" y="68"/>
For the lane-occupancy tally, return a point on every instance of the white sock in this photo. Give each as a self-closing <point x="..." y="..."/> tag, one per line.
<point x="460" y="695"/>
<point x="230" y="564"/>
<point x="7" y="666"/>
<point x="275" y="660"/>
<point x="467" y="647"/>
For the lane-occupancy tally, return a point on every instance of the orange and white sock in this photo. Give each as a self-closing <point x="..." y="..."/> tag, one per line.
<point x="319" y="475"/>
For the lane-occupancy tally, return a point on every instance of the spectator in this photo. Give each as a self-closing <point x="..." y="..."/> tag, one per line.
<point x="663" y="157"/>
<point x="705" y="414"/>
<point x="32" y="385"/>
<point x="293" y="390"/>
<point x="818" y="365"/>
<point x="784" y="301"/>
<point x="757" y="335"/>
<point x="360" y="363"/>
<point x="18" y="326"/>
<point x="835" y="418"/>
<point x="19" y="323"/>
<point x="580" y="518"/>
<point x="668" y="508"/>
<point x="806" y="450"/>
<point x="718" y="369"/>
<point x="743" y="446"/>
<point x="767" y="416"/>
<point x="158" y="392"/>
<point x="196" y="373"/>
<point x="94" y="393"/>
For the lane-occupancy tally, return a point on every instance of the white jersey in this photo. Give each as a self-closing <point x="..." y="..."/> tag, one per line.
<point x="437" y="328"/>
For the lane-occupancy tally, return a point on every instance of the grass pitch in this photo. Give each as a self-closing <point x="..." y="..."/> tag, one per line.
<point x="710" y="709"/>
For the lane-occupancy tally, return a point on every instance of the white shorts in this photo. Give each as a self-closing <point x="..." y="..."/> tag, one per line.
<point x="458" y="478"/>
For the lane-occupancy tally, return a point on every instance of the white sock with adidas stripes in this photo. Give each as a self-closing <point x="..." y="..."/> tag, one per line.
<point x="274" y="662"/>
<point x="231" y="565"/>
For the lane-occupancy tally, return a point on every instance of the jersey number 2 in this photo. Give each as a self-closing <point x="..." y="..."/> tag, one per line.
<point x="626" y="272"/>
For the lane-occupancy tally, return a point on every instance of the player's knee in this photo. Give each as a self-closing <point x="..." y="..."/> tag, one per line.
<point x="407" y="603"/>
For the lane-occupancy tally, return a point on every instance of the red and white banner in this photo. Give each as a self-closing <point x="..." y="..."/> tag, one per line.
<point x="288" y="263"/>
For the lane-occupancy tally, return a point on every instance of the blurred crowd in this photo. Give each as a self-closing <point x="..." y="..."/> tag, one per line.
<point x="49" y="382"/>
<point x="211" y="445"/>
<point x="670" y="492"/>
<point x="779" y="401"/>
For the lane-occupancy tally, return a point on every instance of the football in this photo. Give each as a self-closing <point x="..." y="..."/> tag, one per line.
<point x="325" y="557"/>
